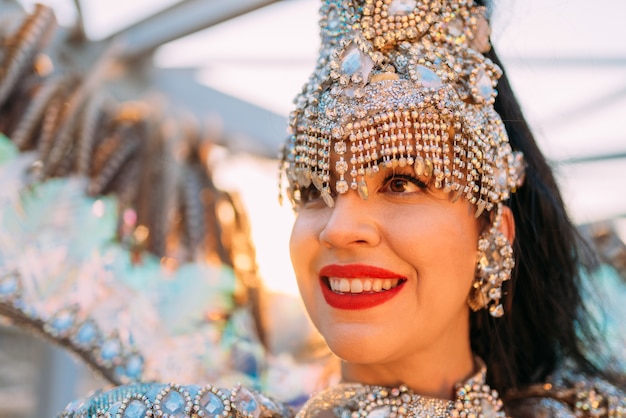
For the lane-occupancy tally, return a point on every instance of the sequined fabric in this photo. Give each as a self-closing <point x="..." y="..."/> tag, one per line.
<point x="473" y="397"/>
<point x="153" y="399"/>
<point x="567" y="394"/>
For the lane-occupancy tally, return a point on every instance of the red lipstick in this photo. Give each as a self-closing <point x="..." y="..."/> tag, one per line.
<point x="352" y="271"/>
<point x="357" y="301"/>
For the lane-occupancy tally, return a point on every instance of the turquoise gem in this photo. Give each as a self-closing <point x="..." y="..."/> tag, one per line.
<point x="246" y="401"/>
<point x="212" y="405"/>
<point x="62" y="322"/>
<point x="134" y="367"/>
<point x="111" y="349"/>
<point x="87" y="334"/>
<point x="135" y="409"/>
<point x="173" y="404"/>
<point x="333" y="19"/>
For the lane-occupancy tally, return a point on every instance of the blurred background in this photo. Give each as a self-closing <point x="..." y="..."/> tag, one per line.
<point x="237" y="64"/>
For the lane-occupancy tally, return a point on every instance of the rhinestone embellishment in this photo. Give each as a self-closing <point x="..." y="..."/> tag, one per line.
<point x="473" y="399"/>
<point x="400" y="84"/>
<point x="427" y="77"/>
<point x="401" y="7"/>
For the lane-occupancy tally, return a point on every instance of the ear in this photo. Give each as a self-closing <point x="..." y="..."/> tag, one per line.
<point x="507" y="224"/>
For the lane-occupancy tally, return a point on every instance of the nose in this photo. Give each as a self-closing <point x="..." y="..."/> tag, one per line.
<point x="351" y="222"/>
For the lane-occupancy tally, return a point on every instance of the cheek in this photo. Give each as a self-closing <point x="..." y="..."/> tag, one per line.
<point x="301" y="236"/>
<point x="442" y="250"/>
<point x="303" y="247"/>
<point x="302" y="244"/>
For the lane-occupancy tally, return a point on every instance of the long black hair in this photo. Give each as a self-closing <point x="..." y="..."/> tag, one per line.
<point x="546" y="320"/>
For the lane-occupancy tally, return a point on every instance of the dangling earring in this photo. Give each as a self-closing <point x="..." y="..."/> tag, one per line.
<point x="494" y="265"/>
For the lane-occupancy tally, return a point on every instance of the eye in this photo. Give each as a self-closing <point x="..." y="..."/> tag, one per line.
<point x="399" y="185"/>
<point x="404" y="183"/>
<point x="309" y="194"/>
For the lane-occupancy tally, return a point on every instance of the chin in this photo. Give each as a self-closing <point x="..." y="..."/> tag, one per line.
<point x="356" y="347"/>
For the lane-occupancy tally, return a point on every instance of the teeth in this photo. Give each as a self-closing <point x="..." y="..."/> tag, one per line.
<point x="361" y="285"/>
<point x="356" y="286"/>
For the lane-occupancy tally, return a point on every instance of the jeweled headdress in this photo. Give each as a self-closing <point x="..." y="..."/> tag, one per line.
<point x="397" y="83"/>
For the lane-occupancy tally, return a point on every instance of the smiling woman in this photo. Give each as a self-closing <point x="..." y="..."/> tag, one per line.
<point x="400" y="163"/>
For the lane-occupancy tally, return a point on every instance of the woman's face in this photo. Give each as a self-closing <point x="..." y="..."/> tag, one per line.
<point x="388" y="277"/>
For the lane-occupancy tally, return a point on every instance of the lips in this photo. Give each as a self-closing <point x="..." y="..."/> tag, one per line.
<point x="358" y="286"/>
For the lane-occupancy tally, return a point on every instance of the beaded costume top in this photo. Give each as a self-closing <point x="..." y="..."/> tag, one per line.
<point x="566" y="395"/>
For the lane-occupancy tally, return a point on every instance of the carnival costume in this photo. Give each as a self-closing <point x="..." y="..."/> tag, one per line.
<point x="398" y="83"/>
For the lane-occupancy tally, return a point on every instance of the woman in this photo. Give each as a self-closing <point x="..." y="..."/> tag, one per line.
<point x="401" y="163"/>
<point x="408" y="221"/>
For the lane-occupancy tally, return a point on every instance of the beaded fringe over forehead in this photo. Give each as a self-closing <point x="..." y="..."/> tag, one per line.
<point x="397" y="83"/>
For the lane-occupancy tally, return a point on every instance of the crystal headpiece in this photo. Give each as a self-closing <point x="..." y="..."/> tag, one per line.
<point x="397" y="83"/>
